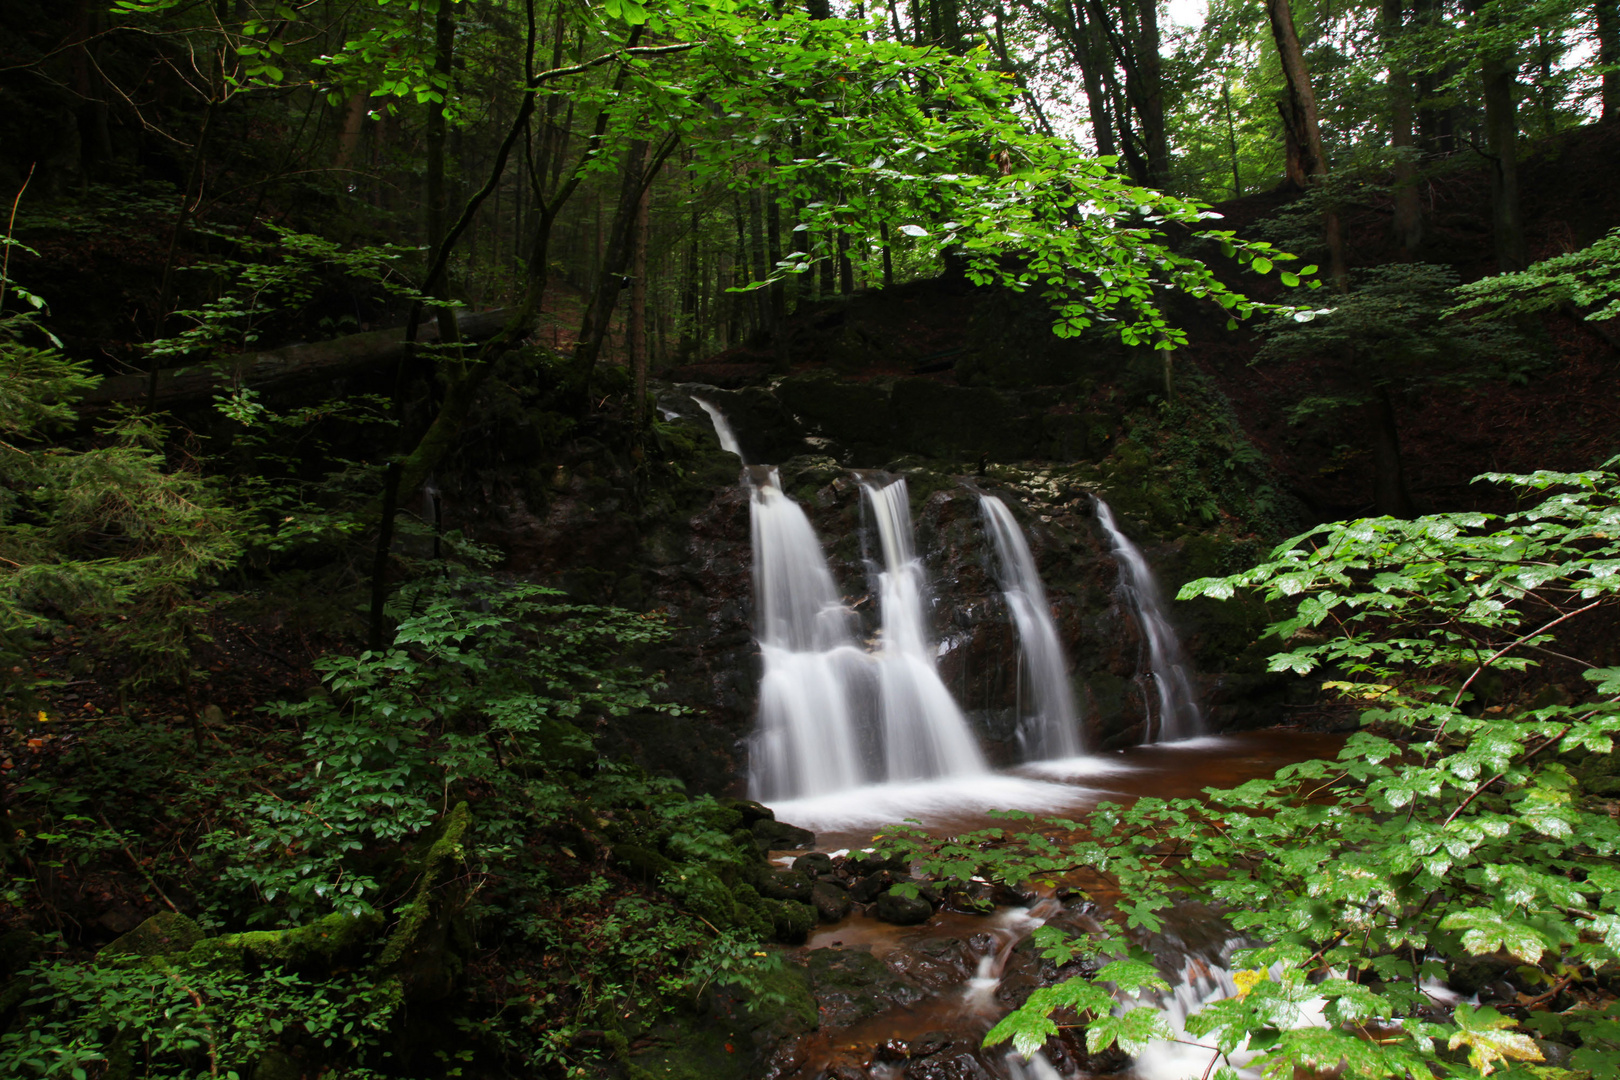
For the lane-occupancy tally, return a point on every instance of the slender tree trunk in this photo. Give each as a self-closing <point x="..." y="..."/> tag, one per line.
<point x="1502" y="136"/>
<point x="1498" y="72"/>
<point x="888" y="255"/>
<point x="444" y="45"/>
<point x="1149" y="96"/>
<point x="1308" y="164"/>
<point x="1390" y="494"/>
<point x="778" y="289"/>
<point x="1407" y="224"/>
<point x="1607" y="16"/>
<point x="1231" y="139"/>
<point x="636" y="328"/>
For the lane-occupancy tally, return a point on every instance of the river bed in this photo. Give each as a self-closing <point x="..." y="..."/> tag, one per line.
<point x="914" y="1002"/>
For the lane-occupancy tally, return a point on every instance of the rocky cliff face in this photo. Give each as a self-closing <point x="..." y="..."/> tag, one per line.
<point x="593" y="523"/>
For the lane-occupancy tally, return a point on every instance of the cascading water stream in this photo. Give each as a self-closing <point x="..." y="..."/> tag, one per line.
<point x="807" y="740"/>
<point x="722" y="429"/>
<point x="1179" y="716"/>
<point x="832" y="716"/>
<point x="1053" y="731"/>
<point x="925" y="734"/>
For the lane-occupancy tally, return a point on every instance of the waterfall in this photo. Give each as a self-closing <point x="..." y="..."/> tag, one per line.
<point x="924" y="732"/>
<point x="831" y="715"/>
<point x="722" y="429"/>
<point x="1053" y="731"/>
<point x="1179" y="716"/>
<point x="807" y="739"/>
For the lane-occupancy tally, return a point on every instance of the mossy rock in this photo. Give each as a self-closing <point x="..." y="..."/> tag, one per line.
<point x="791" y="921"/>
<point x="642" y="864"/>
<point x="336" y="941"/>
<point x="162" y="934"/>
<point x="730" y="1035"/>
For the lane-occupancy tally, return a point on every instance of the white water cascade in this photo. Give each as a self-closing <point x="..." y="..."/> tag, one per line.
<point x="831" y="715"/>
<point x="722" y="429"/>
<point x="1053" y="730"/>
<point x="1179" y="716"/>
<point x="925" y="734"/>
<point x="807" y="739"/>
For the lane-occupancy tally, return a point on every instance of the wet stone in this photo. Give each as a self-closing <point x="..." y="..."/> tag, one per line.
<point x="780" y="836"/>
<point x="784" y="885"/>
<point x="962" y="1066"/>
<point x="902" y="910"/>
<point x="890" y="1050"/>
<point x="930" y="1044"/>
<point x="867" y="889"/>
<point x="851" y="985"/>
<point x="815" y="864"/>
<point x="831" y="903"/>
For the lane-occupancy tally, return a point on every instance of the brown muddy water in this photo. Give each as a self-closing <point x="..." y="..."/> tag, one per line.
<point x="914" y="1002"/>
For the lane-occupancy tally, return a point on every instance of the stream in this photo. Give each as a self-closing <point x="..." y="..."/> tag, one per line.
<point x="914" y="1002"/>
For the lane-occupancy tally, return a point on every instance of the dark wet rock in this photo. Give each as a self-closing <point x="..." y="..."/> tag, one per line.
<point x="641" y="863"/>
<point x="959" y="1066"/>
<point x="891" y="907"/>
<point x="890" y="1050"/>
<point x="869" y="887"/>
<point x="834" y="880"/>
<point x="727" y="1033"/>
<point x="749" y="811"/>
<point x="851" y="985"/>
<point x="1472" y="974"/>
<point x="862" y="865"/>
<point x="831" y="903"/>
<point x="815" y="863"/>
<point x="783" y="885"/>
<point x="974" y="898"/>
<point x="931" y="1043"/>
<point x="786" y="1060"/>
<point x="780" y="836"/>
<point x="935" y="962"/>
<point x="844" y="1070"/>
<point x="1020" y="978"/>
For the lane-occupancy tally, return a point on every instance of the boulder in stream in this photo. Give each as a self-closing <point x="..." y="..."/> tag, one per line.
<point x="891" y="907"/>
<point x="831" y="903"/>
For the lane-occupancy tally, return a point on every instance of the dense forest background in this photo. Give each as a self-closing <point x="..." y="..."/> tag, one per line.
<point x="350" y="729"/>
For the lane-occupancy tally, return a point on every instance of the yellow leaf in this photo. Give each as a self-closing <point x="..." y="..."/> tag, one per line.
<point x="1248" y="980"/>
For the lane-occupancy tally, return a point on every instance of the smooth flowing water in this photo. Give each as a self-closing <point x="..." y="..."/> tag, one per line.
<point x="925" y="734"/>
<point x="722" y="429"/>
<point x="1052" y="729"/>
<point x="833" y="716"/>
<point x="1178" y="715"/>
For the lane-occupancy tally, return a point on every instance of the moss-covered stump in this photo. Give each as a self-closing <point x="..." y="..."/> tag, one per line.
<point x="427" y="950"/>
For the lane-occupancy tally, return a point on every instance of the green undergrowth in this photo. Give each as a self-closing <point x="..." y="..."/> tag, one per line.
<point x="423" y="869"/>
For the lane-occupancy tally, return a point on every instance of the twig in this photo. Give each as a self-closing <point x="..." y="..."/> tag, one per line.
<point x="5" y="261"/>
<point x="137" y="863"/>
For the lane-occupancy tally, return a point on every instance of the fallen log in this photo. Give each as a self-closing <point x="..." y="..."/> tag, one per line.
<point x="315" y="360"/>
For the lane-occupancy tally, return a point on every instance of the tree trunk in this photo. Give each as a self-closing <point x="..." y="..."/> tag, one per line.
<point x="610" y="275"/>
<point x="1231" y="139"/>
<point x="1308" y="162"/>
<point x="1407" y="224"/>
<point x="1498" y="72"/>
<point x="1607" y="14"/>
<point x="1390" y="495"/>
<point x="444" y="45"/>
<point x="636" y="324"/>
